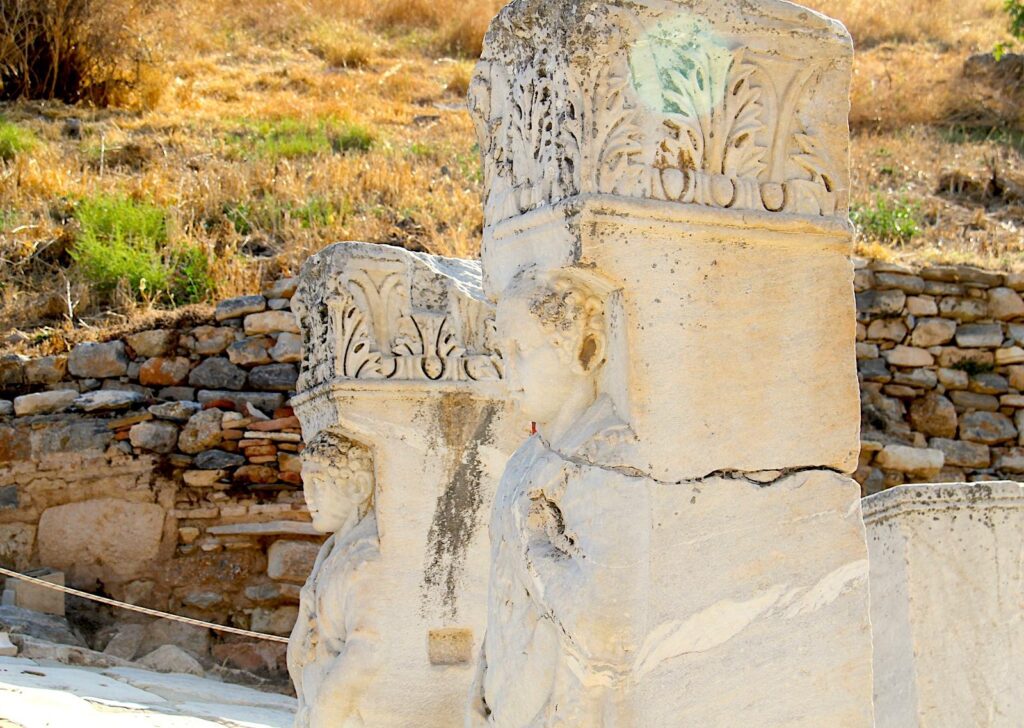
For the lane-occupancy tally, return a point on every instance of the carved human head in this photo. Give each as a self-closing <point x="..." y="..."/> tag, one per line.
<point x="552" y="328"/>
<point x="337" y="477"/>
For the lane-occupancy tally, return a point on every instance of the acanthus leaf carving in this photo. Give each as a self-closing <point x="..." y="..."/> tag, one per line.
<point x="362" y="324"/>
<point x="667" y="111"/>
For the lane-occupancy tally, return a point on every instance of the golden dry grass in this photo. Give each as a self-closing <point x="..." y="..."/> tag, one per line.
<point x="211" y="136"/>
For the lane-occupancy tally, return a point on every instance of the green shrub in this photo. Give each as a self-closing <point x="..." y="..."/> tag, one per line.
<point x="888" y="221"/>
<point x="270" y="215"/>
<point x="1015" y="9"/>
<point x="14" y="140"/>
<point x="122" y="240"/>
<point x="192" y="279"/>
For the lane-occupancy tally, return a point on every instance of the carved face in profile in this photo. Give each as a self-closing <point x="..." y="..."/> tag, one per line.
<point x="337" y="477"/>
<point x="552" y="329"/>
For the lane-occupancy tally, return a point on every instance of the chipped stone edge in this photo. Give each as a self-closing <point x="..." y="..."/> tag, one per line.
<point x="904" y="499"/>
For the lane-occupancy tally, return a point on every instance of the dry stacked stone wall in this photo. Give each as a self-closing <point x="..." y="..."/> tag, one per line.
<point x="940" y="352"/>
<point x="162" y="468"/>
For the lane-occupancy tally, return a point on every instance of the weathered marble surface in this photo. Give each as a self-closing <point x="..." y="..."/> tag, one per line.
<point x="402" y="401"/>
<point x="947" y="587"/>
<point x="696" y="155"/>
<point x="667" y="242"/>
<point x="34" y="694"/>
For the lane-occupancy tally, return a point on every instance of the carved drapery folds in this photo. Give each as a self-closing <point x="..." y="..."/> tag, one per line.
<point x="630" y="101"/>
<point x="374" y="313"/>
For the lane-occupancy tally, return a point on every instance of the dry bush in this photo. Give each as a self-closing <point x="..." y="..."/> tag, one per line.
<point x="75" y="50"/>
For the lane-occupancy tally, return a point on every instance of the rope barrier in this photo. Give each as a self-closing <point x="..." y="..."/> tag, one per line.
<point x="142" y="610"/>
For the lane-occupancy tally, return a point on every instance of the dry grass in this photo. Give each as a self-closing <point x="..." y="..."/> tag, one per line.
<point x="278" y="126"/>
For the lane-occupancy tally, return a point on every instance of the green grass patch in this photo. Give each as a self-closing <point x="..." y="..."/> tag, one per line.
<point x="271" y="215"/>
<point x="14" y="140"/>
<point x="122" y="241"/>
<point x="888" y="221"/>
<point x="291" y="138"/>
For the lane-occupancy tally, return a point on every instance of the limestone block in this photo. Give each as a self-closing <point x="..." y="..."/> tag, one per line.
<point x="16" y="541"/>
<point x="98" y="361"/>
<point x="881" y="303"/>
<point x="217" y="373"/>
<point x="989" y="428"/>
<point x="46" y="370"/>
<point x="921" y="462"/>
<point x="933" y="332"/>
<point x="193" y="640"/>
<point x="964" y="310"/>
<point x="107" y="539"/>
<point x="218" y="460"/>
<point x="36" y="597"/>
<point x="202" y="431"/>
<point x="274" y="377"/>
<point x="278" y="621"/>
<point x="12" y="370"/>
<point x="1012" y="355"/>
<point x="963" y="274"/>
<point x="282" y="288"/>
<point x="179" y="412"/>
<point x="271" y="322"/>
<point x="213" y="340"/>
<point x="922" y="306"/>
<point x="291" y="560"/>
<point x="251" y="351"/>
<point x="7" y="648"/>
<point x="979" y="336"/>
<point x="888" y="330"/>
<point x="1005" y="304"/>
<point x="44" y="403"/>
<point x="161" y="437"/>
<point x="241" y="306"/>
<point x="154" y="343"/>
<point x="961" y="454"/>
<point x="945" y="560"/>
<point x="109" y="400"/>
<point x="170" y="658"/>
<point x="975" y="401"/>
<point x="288" y="348"/>
<point x="164" y="372"/>
<point x="934" y="415"/>
<point x="126" y="641"/>
<point x="909" y="356"/>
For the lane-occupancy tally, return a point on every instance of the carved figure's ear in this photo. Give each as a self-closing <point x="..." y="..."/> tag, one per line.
<point x="591" y="354"/>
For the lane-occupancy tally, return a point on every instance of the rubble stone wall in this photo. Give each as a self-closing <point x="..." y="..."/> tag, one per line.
<point x="941" y="359"/>
<point x="162" y="468"/>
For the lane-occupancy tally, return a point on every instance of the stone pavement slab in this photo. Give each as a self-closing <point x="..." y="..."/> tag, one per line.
<point x="38" y="695"/>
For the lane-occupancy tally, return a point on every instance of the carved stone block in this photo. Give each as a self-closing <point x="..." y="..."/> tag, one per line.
<point x="402" y="402"/>
<point x="947" y="585"/>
